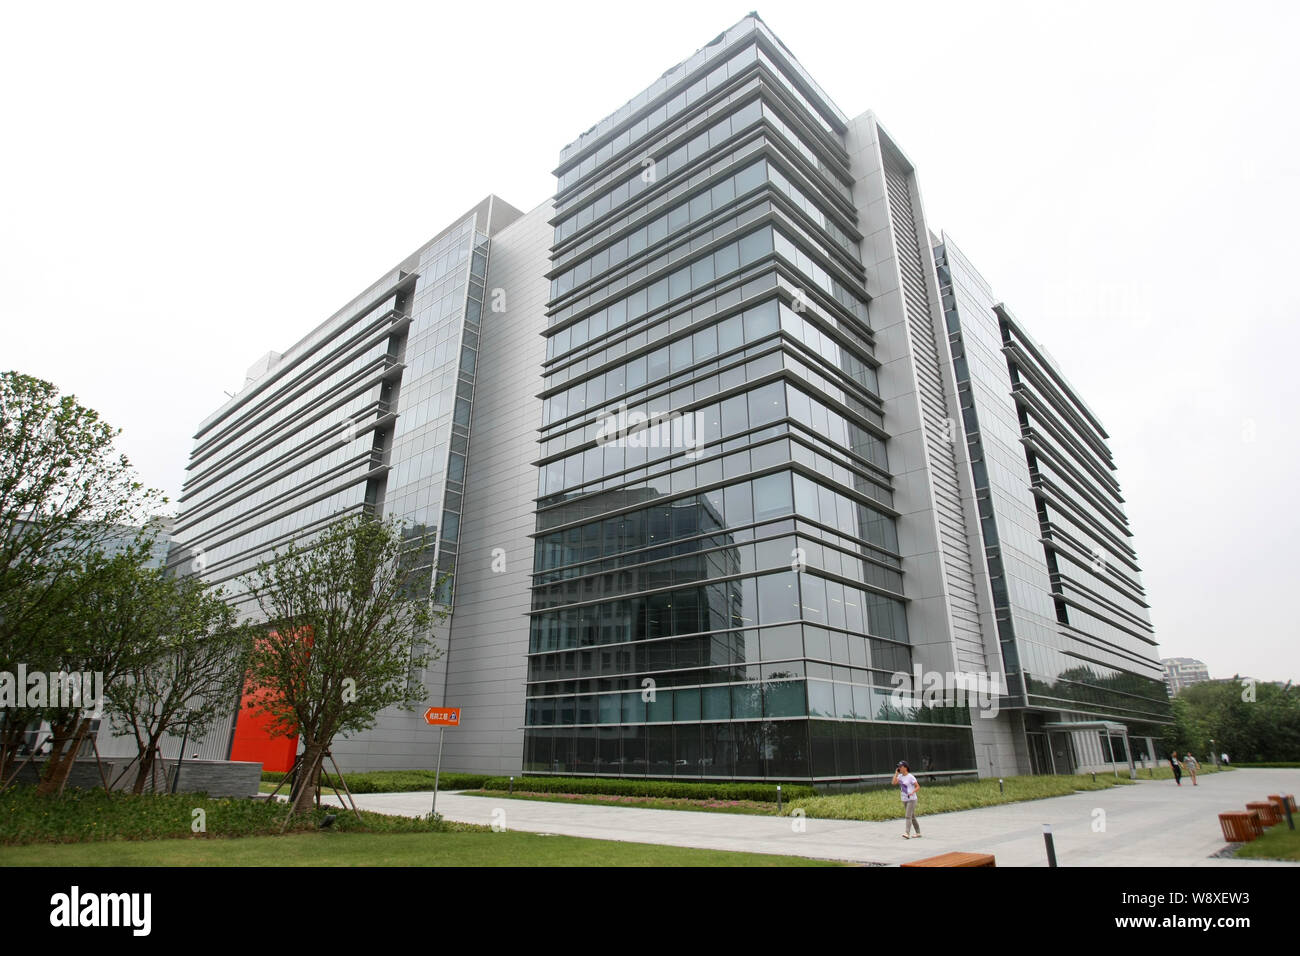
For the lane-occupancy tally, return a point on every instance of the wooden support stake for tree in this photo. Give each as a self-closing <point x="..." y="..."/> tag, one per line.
<point x="14" y="776"/>
<point x="94" y="744"/>
<point x="118" y="778"/>
<point x="289" y="817"/>
<point x="160" y="767"/>
<point x="72" y="755"/>
<point x="351" y="799"/>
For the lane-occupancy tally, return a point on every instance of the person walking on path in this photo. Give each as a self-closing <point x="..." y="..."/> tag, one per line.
<point x="907" y="787"/>
<point x="1193" y="767"/>
<point x="1178" y="770"/>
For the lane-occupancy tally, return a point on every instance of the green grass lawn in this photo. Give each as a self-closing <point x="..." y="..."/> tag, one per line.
<point x="969" y="795"/>
<point x="1277" y="843"/>
<point x="398" y="849"/>
<point x="878" y="804"/>
<point x="1166" y="772"/>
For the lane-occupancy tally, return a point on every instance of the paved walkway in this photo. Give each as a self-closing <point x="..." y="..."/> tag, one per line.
<point x="1152" y="823"/>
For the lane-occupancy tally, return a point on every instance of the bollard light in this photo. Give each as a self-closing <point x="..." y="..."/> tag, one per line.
<point x="778" y="799"/>
<point x="1001" y="787"/>
<point x="512" y="786"/>
<point x="1051" y="847"/>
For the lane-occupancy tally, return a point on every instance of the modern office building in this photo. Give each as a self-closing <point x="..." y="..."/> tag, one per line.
<point x="691" y="439"/>
<point x="1070" y="614"/>
<point x="1183" y="672"/>
<point x="371" y="411"/>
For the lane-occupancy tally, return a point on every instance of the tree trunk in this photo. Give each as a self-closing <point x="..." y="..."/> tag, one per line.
<point x="11" y="738"/>
<point x="308" y="778"/>
<point x="68" y="738"/>
<point x="147" y="758"/>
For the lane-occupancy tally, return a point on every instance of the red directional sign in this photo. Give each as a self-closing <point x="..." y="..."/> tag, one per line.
<point x="442" y="716"/>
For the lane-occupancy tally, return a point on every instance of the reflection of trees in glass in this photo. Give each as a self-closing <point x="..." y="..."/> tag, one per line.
<point x="1085" y="685"/>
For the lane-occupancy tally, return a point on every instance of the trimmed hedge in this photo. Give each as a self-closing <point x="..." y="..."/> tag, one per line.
<point x="394" y="781"/>
<point x="1273" y="764"/>
<point x="638" y="787"/>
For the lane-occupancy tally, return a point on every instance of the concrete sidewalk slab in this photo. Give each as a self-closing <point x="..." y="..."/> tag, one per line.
<point x="1150" y="823"/>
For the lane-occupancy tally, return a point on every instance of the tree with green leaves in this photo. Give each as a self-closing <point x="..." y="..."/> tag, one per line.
<point x="66" y="500"/>
<point x="187" y="671"/>
<point x="343" y="626"/>
<point x="110" y="627"/>
<point x="1252" y="721"/>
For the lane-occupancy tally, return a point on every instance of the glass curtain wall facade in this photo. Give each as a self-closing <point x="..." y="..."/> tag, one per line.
<point x="717" y="588"/>
<point x="368" y="413"/>
<point x="1072" y="616"/>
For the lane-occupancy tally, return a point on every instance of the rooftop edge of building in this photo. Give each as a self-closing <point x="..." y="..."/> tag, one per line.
<point x="492" y="210"/>
<point x="674" y="75"/>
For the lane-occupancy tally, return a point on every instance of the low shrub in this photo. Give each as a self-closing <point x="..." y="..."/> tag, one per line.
<point x="394" y="781"/>
<point x="638" y="787"/>
<point x="84" y="816"/>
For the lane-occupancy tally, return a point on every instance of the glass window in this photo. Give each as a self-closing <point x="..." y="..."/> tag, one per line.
<point x="772" y="496"/>
<point x="835" y="604"/>
<point x="706" y="343"/>
<point x="735" y="415"/>
<point x="746" y="700"/>
<point x="739" y="504"/>
<point x="744" y="607"/>
<point x="657" y="294"/>
<point x="636" y="373"/>
<point x="749" y="178"/>
<point x="813" y="592"/>
<point x="821" y="699"/>
<point x="701" y="272"/>
<point x="726" y="259"/>
<point x="657" y="364"/>
<point x="616" y="382"/>
<point x="686" y="704"/>
<point x="679" y="283"/>
<point x="755" y="245"/>
<point x="799" y="404"/>
<point x="715" y="703"/>
<point x="730" y="334"/>
<point x="678" y="217"/>
<point x="783" y="698"/>
<point x="782" y="643"/>
<point x="681" y="354"/>
<point x="778" y="597"/>
<point x="761" y="321"/>
<point x="766" y="404"/>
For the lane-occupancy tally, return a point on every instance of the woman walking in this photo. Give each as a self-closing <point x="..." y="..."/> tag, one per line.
<point x="907" y="787"/>
<point x="1193" y="767"/>
<point x="1178" y="770"/>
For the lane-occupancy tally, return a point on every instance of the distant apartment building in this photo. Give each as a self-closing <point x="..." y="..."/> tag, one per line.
<point x="727" y="454"/>
<point x="1183" y="672"/>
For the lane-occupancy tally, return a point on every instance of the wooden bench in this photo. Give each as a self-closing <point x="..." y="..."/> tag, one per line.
<point x="956" y="858"/>
<point x="1281" y="803"/>
<point x="1267" y="812"/>
<point x="1240" y="826"/>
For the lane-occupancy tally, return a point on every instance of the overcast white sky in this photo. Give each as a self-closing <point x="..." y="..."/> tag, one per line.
<point x="184" y="187"/>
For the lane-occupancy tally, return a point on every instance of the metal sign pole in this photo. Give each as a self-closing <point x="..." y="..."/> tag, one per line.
<point x="438" y="771"/>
